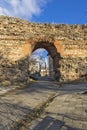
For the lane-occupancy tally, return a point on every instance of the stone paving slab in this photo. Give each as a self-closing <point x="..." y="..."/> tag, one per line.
<point x="68" y="111"/>
<point x="14" y="106"/>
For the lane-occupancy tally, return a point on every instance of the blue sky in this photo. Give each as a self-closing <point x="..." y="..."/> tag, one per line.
<point x="47" y="11"/>
<point x="41" y="53"/>
<point x="65" y="11"/>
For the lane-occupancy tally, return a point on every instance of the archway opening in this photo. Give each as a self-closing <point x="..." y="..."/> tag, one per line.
<point x="39" y="62"/>
<point x="49" y="57"/>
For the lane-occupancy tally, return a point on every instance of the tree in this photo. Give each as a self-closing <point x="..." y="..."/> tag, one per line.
<point x="32" y="64"/>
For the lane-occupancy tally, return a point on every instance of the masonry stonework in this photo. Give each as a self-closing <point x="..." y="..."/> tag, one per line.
<point x="67" y="45"/>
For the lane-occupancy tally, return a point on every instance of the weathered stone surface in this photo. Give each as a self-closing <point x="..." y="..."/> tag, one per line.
<point x="67" y="45"/>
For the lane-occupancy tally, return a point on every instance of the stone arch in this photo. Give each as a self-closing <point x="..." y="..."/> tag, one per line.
<point x="48" y="44"/>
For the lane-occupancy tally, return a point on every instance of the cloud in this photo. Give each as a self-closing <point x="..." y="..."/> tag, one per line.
<point x="22" y="8"/>
<point x="4" y="11"/>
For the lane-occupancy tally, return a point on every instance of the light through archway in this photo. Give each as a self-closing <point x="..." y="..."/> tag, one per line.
<point x="40" y="58"/>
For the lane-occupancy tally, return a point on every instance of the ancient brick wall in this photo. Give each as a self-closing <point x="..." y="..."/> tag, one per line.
<point x="67" y="44"/>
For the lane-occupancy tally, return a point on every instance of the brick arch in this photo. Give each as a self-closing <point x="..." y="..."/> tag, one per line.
<point x="52" y="46"/>
<point x="44" y="42"/>
<point x="49" y="46"/>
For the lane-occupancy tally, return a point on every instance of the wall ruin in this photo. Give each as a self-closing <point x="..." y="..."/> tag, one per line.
<point x="67" y="44"/>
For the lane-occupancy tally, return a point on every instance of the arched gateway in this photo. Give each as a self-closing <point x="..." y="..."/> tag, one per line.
<point x="67" y="45"/>
<point x="49" y="44"/>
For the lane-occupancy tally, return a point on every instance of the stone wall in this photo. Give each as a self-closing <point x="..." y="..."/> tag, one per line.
<point x="67" y="45"/>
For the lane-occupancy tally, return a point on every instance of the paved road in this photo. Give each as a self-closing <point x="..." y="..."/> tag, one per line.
<point x="68" y="110"/>
<point x="15" y="105"/>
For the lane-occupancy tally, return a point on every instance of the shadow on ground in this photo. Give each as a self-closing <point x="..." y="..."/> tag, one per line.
<point x="11" y="113"/>
<point x="49" y="123"/>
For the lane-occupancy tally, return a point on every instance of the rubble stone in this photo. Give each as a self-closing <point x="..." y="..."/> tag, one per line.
<point x="67" y="45"/>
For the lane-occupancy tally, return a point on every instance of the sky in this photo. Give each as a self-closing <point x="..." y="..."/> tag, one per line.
<point x="41" y="53"/>
<point x="46" y="11"/>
